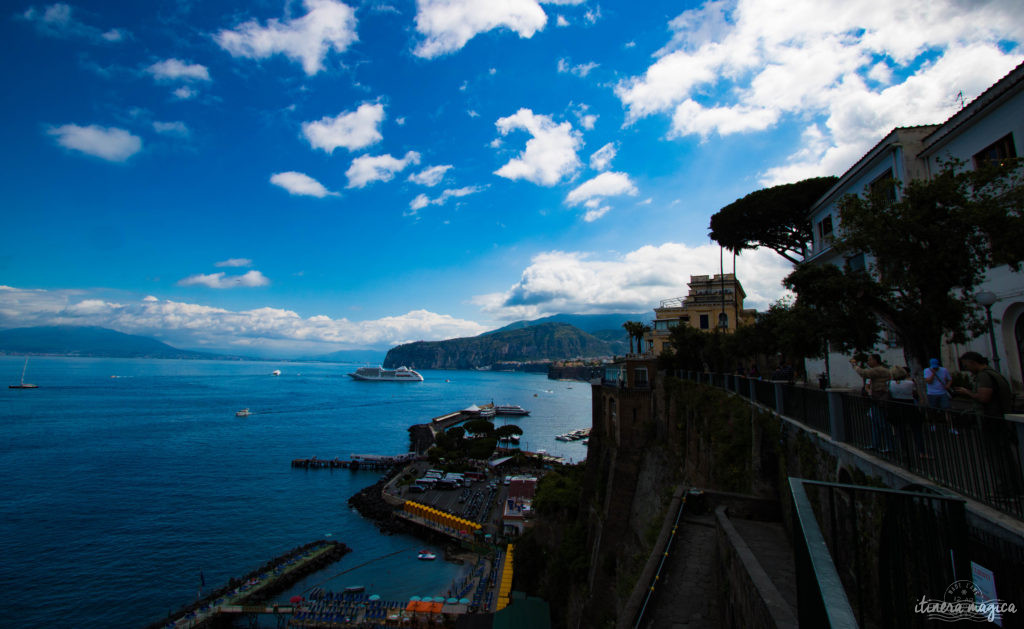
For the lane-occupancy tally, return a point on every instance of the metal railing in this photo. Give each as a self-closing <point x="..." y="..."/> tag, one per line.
<point x="974" y="455"/>
<point x="865" y="555"/>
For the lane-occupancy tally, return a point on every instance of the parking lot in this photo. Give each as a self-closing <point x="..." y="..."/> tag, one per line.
<point x="475" y="502"/>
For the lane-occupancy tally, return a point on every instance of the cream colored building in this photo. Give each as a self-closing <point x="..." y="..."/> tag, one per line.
<point x="715" y="302"/>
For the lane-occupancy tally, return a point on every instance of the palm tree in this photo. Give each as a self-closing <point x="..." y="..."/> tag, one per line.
<point x="641" y="330"/>
<point x="630" y="327"/>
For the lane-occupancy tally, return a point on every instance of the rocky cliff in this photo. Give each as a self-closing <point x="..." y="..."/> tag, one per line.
<point x="554" y="341"/>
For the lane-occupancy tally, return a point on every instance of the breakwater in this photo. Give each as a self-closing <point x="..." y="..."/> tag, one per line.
<point x="259" y="585"/>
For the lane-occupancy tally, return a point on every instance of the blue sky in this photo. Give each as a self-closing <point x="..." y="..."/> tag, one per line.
<point x="292" y="177"/>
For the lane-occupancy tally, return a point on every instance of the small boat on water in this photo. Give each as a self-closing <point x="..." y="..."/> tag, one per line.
<point x="426" y="555"/>
<point x="354" y="589"/>
<point x="276" y="372"/>
<point x="243" y="413"/>
<point x="23" y="384"/>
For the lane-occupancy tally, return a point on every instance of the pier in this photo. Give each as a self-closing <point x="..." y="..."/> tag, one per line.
<point x="248" y="595"/>
<point x="355" y="462"/>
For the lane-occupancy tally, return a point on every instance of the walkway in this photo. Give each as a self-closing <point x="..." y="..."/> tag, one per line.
<point x="685" y="598"/>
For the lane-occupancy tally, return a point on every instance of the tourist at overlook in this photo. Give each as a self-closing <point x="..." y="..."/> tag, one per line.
<point x="937" y="380"/>
<point x="993" y="398"/>
<point x="903" y="413"/>
<point x="877" y="376"/>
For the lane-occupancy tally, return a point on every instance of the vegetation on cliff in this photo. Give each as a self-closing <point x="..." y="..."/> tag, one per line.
<point x="552" y="341"/>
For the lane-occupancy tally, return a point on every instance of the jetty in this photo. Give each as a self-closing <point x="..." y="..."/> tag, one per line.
<point x="249" y="594"/>
<point x="355" y="462"/>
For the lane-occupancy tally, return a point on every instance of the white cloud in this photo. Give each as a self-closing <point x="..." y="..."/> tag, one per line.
<point x="110" y="143"/>
<point x="421" y="201"/>
<point x="448" y="24"/>
<point x="561" y="21"/>
<point x="430" y="177"/>
<point x="549" y="155"/>
<point x="580" y="70"/>
<point x="607" y="184"/>
<point x="351" y="129"/>
<point x="184" y="92"/>
<point x="176" y="69"/>
<point x="596" y="213"/>
<point x="58" y="20"/>
<point x="251" y="279"/>
<point x="742" y="66"/>
<point x="300" y="184"/>
<point x="234" y="262"/>
<point x="366" y="169"/>
<point x="192" y="325"/>
<point x="559" y="281"/>
<point x="602" y="157"/>
<point x="177" y="128"/>
<point x="326" y="25"/>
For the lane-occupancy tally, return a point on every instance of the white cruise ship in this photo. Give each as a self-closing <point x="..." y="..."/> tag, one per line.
<point x="402" y="374"/>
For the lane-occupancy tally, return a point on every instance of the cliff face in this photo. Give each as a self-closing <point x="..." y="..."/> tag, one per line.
<point x="538" y="342"/>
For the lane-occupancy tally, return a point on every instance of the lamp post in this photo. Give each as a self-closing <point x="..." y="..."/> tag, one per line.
<point x="986" y="299"/>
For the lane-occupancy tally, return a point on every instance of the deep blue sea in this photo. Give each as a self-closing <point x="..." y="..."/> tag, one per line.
<point x="121" y="480"/>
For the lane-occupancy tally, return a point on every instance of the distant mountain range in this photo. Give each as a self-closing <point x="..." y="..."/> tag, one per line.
<point x="69" y="340"/>
<point x="557" y="337"/>
<point x="543" y="341"/>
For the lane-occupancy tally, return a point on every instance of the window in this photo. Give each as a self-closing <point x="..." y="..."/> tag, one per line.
<point x="723" y="321"/>
<point x="640" y="377"/>
<point x="883" y="188"/>
<point x="994" y="153"/>
<point x="856" y="263"/>
<point x="825" y="230"/>
<point x="704" y="322"/>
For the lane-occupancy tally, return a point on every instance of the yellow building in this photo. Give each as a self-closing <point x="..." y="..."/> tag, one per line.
<point x="714" y="302"/>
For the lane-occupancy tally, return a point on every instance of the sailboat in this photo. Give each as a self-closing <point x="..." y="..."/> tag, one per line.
<point x="23" y="385"/>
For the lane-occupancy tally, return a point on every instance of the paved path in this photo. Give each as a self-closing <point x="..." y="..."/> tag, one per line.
<point x="685" y="598"/>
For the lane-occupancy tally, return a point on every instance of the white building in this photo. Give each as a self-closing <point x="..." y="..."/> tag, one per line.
<point x="990" y="127"/>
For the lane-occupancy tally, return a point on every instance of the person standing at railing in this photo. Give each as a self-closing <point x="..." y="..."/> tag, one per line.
<point x="903" y="412"/>
<point x="992" y="399"/>
<point x="937" y="381"/>
<point x="877" y="376"/>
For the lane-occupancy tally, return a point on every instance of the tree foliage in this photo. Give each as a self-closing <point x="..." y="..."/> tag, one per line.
<point x="774" y="217"/>
<point x="479" y="427"/>
<point x="508" y="430"/>
<point x="928" y="252"/>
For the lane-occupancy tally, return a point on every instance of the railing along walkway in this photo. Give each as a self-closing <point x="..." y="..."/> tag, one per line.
<point x="973" y="455"/>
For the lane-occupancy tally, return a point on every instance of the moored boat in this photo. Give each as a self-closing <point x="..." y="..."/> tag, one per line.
<point x="426" y="555"/>
<point x="510" y="409"/>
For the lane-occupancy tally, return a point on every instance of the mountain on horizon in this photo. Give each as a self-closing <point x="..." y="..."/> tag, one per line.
<point x="71" y="340"/>
<point x="587" y="322"/>
<point x="544" y="341"/>
<point x="373" y="356"/>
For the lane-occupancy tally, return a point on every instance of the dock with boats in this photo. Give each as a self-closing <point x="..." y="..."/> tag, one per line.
<point x="575" y="435"/>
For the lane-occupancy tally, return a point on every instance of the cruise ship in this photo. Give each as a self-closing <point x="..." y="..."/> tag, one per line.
<point x="402" y="374"/>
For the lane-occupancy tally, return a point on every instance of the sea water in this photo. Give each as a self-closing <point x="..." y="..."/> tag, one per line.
<point x="129" y="483"/>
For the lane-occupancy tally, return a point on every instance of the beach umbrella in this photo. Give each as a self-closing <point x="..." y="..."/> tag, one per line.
<point x="463" y="601"/>
<point x="375" y="597"/>
<point x="295" y="600"/>
<point x="414" y="598"/>
<point x="452" y="601"/>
